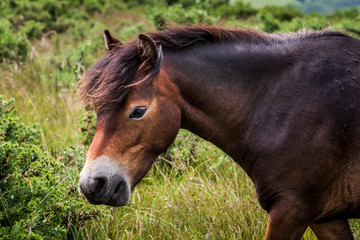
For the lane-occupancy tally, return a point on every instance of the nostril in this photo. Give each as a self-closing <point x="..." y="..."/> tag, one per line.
<point x="121" y="187"/>
<point x="97" y="186"/>
<point x="100" y="184"/>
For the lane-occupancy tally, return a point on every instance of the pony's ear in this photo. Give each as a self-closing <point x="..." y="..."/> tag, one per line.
<point x="147" y="50"/>
<point x="110" y="41"/>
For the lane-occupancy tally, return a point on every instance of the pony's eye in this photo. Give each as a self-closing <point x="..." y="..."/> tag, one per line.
<point x="137" y="113"/>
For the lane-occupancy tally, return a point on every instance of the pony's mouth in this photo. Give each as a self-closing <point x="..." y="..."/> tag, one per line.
<point x="121" y="195"/>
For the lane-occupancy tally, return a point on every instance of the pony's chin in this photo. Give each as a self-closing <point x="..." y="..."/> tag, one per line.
<point x="116" y="200"/>
<point x="117" y="203"/>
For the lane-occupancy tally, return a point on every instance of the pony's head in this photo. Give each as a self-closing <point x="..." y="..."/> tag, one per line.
<point x="137" y="118"/>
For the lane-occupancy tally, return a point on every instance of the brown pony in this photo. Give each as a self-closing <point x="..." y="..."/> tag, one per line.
<point x="285" y="107"/>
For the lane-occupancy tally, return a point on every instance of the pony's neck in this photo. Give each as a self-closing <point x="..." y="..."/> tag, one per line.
<point x="219" y="86"/>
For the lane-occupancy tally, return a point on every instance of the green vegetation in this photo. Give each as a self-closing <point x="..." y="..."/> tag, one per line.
<point x="38" y="193"/>
<point x="193" y="192"/>
<point x="262" y="3"/>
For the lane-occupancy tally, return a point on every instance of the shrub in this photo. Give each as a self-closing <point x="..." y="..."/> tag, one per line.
<point x="351" y="13"/>
<point x="12" y="45"/>
<point x="39" y="197"/>
<point x="33" y="29"/>
<point x="238" y="9"/>
<point x="88" y="126"/>
<point x="22" y="21"/>
<point x="180" y="15"/>
<point x="270" y="23"/>
<point x="283" y="13"/>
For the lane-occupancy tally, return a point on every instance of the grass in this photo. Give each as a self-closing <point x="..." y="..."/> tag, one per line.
<point x="41" y="100"/>
<point x="45" y="86"/>
<point x="193" y="192"/>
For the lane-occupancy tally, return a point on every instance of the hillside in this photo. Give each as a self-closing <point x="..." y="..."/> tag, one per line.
<point x="194" y="191"/>
<point x="320" y="6"/>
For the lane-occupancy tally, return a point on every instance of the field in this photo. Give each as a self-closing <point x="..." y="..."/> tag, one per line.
<point x="194" y="191"/>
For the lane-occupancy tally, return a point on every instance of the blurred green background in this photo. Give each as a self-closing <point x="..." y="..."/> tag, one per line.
<point x="194" y="191"/>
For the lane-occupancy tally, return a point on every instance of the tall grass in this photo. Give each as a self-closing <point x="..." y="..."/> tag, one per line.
<point x="44" y="86"/>
<point x="40" y="99"/>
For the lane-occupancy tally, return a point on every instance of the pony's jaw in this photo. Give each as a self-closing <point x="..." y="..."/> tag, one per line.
<point x="103" y="182"/>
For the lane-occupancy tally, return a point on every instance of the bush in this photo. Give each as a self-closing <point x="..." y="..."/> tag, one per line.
<point x="12" y="45"/>
<point x="184" y="16"/>
<point x="270" y="23"/>
<point x="39" y="197"/>
<point x="33" y="29"/>
<point x="238" y="9"/>
<point x="24" y="20"/>
<point x="351" y="13"/>
<point x="283" y="13"/>
<point x="88" y="126"/>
